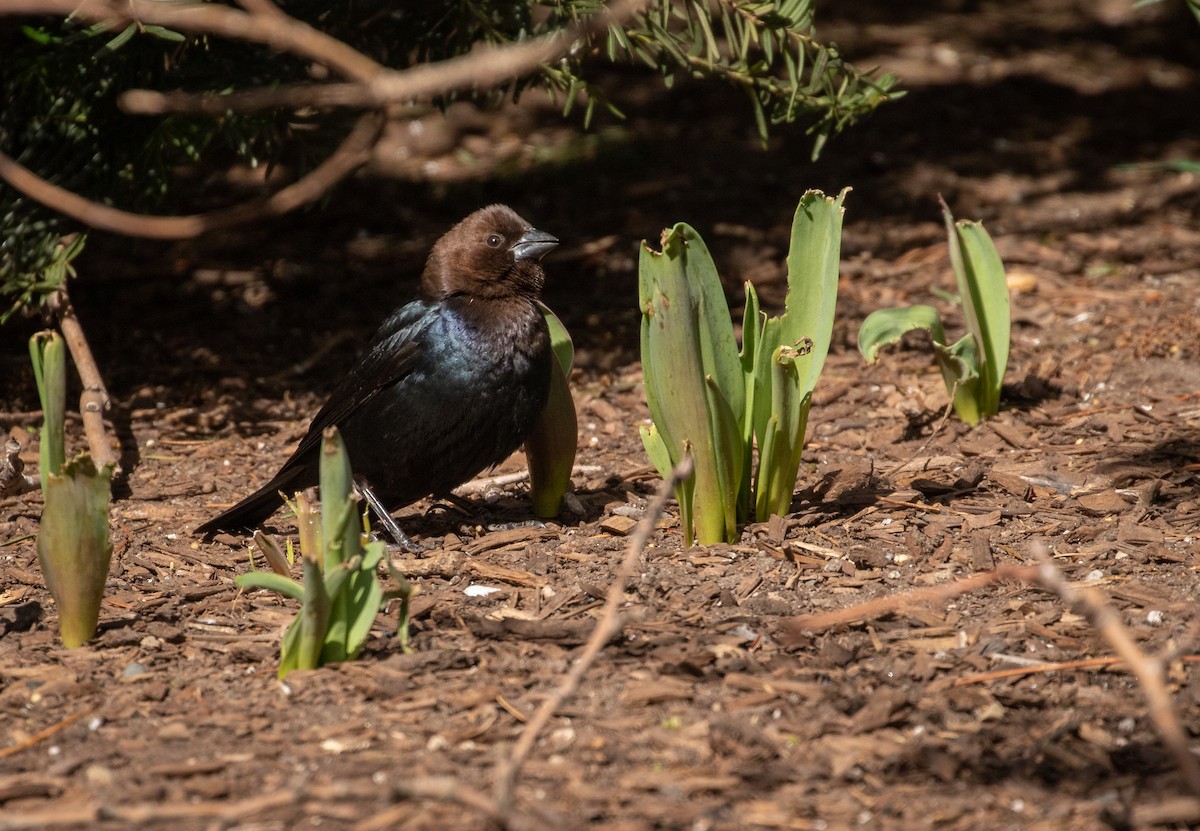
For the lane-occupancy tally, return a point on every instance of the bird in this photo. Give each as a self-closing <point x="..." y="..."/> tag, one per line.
<point x="449" y="385"/>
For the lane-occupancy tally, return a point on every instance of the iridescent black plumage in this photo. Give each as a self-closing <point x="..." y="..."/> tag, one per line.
<point x="450" y="384"/>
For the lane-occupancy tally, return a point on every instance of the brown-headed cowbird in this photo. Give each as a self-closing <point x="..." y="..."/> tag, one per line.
<point x="451" y="383"/>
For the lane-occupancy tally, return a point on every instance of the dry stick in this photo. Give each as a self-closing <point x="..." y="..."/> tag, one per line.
<point x="42" y="735"/>
<point x="795" y="628"/>
<point x="1037" y="669"/>
<point x="485" y="66"/>
<point x="481" y="68"/>
<point x="1060" y="666"/>
<point x="93" y="401"/>
<point x="272" y="29"/>
<point x="354" y="151"/>
<point x="606" y="627"/>
<point x="1147" y="670"/>
<point x="278" y="31"/>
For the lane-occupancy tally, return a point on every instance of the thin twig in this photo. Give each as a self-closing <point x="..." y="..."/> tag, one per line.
<point x="93" y="401"/>
<point x="607" y="626"/>
<point x="353" y="152"/>
<point x="42" y="735"/>
<point x="268" y="25"/>
<point x="483" y="67"/>
<point x="1148" y="670"/>
<point x="1037" y="669"/>
<point x="280" y="32"/>
<point x="794" y="629"/>
<point x="1083" y="601"/>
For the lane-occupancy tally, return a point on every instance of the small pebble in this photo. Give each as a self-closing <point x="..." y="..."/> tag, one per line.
<point x="134" y="670"/>
<point x="1154" y="617"/>
<point x="98" y="775"/>
<point x="477" y="590"/>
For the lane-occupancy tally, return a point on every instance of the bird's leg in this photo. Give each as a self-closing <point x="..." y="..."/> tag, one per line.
<point x="386" y="520"/>
<point x="488" y="522"/>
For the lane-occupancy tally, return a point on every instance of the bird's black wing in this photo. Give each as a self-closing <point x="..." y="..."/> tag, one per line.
<point x="391" y="355"/>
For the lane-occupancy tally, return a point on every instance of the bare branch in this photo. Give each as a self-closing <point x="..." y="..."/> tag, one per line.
<point x="374" y="85"/>
<point x="1086" y="602"/>
<point x="608" y="625"/>
<point x="484" y="67"/>
<point x="278" y="31"/>
<point x="93" y="401"/>
<point x="795" y="628"/>
<point x="1147" y="670"/>
<point x="354" y="151"/>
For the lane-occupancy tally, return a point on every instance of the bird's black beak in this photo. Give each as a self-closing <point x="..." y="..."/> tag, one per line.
<point x="533" y="245"/>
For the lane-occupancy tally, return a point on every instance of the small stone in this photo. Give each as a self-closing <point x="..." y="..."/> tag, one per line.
<point x="98" y="776"/>
<point x="561" y="739"/>
<point x="134" y="670"/>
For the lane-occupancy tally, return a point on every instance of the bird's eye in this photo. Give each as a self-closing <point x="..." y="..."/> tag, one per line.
<point x="495" y="240"/>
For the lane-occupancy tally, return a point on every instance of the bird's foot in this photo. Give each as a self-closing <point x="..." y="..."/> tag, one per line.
<point x="387" y="522"/>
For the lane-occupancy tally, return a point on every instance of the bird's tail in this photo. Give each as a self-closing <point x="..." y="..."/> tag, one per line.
<point x="252" y="511"/>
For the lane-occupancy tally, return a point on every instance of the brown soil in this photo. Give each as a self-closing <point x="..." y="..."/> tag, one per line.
<point x="1050" y="121"/>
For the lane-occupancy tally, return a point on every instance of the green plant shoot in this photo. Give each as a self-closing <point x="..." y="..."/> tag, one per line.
<point x="973" y="366"/>
<point x="73" y="544"/>
<point x="340" y="594"/>
<point x="550" y="447"/>
<point x="713" y="401"/>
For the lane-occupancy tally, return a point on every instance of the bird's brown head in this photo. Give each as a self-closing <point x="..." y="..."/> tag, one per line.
<point x="493" y="253"/>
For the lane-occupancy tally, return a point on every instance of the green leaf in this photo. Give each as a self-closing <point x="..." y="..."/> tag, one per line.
<point x="790" y="350"/>
<point x="48" y="354"/>
<point x="270" y="580"/>
<point x="117" y="42"/>
<point x="887" y="326"/>
<point x="983" y="287"/>
<point x="959" y="363"/>
<point x="73" y="544"/>
<point x="656" y="449"/>
<point x="729" y="456"/>
<point x="813" y="263"/>
<point x="357" y="596"/>
<point x="687" y="336"/>
<point x="339" y="533"/>
<point x="366" y="600"/>
<point x="273" y="555"/>
<point x="752" y="325"/>
<point x="560" y="339"/>
<point x="551" y="446"/>
<point x="312" y="624"/>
